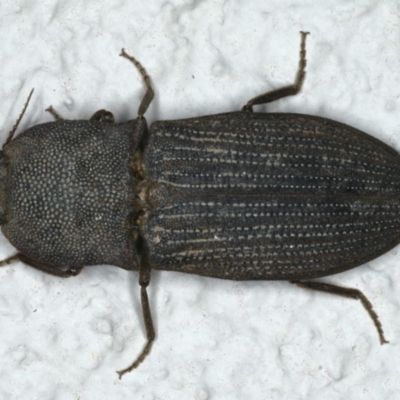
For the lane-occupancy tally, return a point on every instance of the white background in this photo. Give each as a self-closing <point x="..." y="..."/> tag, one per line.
<point x="64" y="339"/>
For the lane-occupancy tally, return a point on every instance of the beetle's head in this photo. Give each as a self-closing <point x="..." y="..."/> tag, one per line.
<point x="3" y="197"/>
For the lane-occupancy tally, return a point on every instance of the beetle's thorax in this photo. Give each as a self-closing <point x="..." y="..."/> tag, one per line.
<point x="69" y="193"/>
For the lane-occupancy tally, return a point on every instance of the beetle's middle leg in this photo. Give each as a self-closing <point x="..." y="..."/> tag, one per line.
<point x="285" y="91"/>
<point x="144" y="280"/>
<point x="349" y="293"/>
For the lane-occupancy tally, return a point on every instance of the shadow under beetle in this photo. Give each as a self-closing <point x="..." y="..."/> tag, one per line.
<point x="241" y="195"/>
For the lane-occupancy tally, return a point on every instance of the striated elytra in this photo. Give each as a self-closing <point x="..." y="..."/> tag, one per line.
<point x="242" y="195"/>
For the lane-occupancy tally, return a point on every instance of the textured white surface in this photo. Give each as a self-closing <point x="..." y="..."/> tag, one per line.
<point x="64" y="339"/>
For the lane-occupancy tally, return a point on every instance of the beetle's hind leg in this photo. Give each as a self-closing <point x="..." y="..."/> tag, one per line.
<point x="349" y="293"/>
<point x="144" y="280"/>
<point x="289" y="90"/>
<point x="48" y="269"/>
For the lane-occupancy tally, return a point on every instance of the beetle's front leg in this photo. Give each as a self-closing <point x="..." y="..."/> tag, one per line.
<point x="9" y="260"/>
<point x="98" y="116"/>
<point x="144" y="280"/>
<point x="48" y="269"/>
<point x="54" y="113"/>
<point x="103" y="116"/>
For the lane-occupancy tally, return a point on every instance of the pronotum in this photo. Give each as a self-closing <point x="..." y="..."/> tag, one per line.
<point x="241" y="195"/>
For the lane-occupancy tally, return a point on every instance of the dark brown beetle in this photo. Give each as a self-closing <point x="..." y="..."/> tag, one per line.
<point x="242" y="196"/>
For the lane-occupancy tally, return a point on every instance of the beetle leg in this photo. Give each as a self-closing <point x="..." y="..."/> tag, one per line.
<point x="285" y="91"/>
<point x="103" y="116"/>
<point x="349" y="293"/>
<point x="54" y="113"/>
<point x="14" y="128"/>
<point x="144" y="280"/>
<point x="148" y="96"/>
<point x="48" y="269"/>
<point x="9" y="260"/>
<point x="99" y="116"/>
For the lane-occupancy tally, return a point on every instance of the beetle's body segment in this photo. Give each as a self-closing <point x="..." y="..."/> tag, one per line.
<point x="69" y="193"/>
<point x="235" y="196"/>
<point x="268" y="196"/>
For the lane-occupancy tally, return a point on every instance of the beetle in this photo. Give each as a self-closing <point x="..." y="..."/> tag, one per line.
<point x="240" y="196"/>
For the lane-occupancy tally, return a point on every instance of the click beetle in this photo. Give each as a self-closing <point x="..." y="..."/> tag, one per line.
<point x="240" y="196"/>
